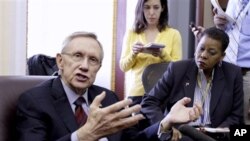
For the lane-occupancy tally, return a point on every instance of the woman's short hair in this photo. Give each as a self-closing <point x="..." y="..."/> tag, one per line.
<point x="217" y="34"/>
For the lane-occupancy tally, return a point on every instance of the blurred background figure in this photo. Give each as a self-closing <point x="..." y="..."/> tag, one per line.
<point x="150" y="25"/>
<point x="238" y="51"/>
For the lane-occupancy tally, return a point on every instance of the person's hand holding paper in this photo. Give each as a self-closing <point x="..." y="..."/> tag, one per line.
<point x="153" y="48"/>
<point x="221" y="18"/>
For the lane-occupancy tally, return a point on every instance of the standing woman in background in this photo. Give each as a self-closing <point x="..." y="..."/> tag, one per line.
<point x="150" y="25"/>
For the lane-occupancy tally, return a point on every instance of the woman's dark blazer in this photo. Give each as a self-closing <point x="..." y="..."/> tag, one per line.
<point x="179" y="80"/>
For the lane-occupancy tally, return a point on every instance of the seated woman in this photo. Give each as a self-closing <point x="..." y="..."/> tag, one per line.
<point x="206" y="79"/>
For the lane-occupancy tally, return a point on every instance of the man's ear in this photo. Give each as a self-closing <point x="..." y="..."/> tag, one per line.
<point x="100" y="66"/>
<point x="59" y="61"/>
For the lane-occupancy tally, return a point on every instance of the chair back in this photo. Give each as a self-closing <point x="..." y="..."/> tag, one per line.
<point x="41" y="64"/>
<point x="11" y="87"/>
<point x="152" y="74"/>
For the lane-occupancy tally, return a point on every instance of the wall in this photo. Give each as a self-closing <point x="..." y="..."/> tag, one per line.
<point x="181" y="13"/>
<point x="12" y="37"/>
<point x="208" y="17"/>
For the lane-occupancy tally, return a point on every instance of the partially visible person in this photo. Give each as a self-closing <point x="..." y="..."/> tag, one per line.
<point x="238" y="51"/>
<point x="47" y="111"/>
<point x="206" y="79"/>
<point x="150" y="25"/>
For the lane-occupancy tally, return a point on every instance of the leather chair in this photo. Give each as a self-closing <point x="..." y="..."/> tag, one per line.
<point x="152" y="73"/>
<point x="41" y="64"/>
<point x="10" y="89"/>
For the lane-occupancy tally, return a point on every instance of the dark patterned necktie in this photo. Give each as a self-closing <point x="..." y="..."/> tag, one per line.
<point x="80" y="115"/>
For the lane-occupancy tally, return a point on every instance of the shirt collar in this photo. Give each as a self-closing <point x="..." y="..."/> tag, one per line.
<point x="202" y="75"/>
<point x="72" y="96"/>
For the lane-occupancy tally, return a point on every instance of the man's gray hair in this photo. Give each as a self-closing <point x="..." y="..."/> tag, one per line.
<point x="82" y="34"/>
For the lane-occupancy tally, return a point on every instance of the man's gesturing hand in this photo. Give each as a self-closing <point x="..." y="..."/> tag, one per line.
<point x="104" y="121"/>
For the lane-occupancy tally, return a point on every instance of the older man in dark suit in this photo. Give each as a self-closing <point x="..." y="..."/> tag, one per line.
<point x="50" y="111"/>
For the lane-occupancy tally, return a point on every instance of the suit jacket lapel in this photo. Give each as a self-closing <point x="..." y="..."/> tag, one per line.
<point x="217" y="88"/>
<point x="91" y="94"/>
<point x="62" y="106"/>
<point x="94" y="91"/>
<point x="190" y="81"/>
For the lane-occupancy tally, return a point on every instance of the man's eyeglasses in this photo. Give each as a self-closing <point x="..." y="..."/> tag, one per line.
<point x="78" y="57"/>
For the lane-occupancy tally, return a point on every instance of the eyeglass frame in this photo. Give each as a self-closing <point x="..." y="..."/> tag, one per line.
<point x="78" y="57"/>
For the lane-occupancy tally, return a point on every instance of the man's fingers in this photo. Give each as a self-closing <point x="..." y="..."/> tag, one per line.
<point x="195" y="112"/>
<point x="215" y="11"/>
<point x="129" y="111"/>
<point x="192" y="116"/>
<point x="185" y="100"/>
<point x="198" y="108"/>
<point x="128" y="121"/>
<point x="98" y="99"/>
<point x="118" y="106"/>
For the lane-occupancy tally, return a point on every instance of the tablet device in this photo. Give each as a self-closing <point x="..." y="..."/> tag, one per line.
<point x="154" y="45"/>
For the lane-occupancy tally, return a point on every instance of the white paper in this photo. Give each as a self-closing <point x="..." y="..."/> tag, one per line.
<point x="216" y="130"/>
<point x="216" y="4"/>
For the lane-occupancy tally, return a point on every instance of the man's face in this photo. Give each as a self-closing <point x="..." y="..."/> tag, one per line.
<point x="79" y="63"/>
<point x="208" y="53"/>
